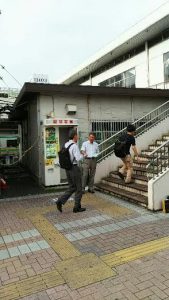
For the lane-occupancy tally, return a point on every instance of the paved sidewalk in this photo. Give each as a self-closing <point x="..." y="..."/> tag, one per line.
<point x="114" y="250"/>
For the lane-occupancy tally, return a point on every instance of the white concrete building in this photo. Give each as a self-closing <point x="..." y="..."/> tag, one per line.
<point x="46" y="113"/>
<point x="137" y="58"/>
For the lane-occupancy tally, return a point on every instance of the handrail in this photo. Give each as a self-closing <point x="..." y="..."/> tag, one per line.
<point x="159" y="84"/>
<point x="159" y="160"/>
<point x="147" y="121"/>
<point x="161" y="146"/>
<point x="138" y="120"/>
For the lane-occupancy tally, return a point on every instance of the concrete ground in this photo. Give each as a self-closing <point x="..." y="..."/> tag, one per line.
<point x="21" y="183"/>
<point x="114" y="250"/>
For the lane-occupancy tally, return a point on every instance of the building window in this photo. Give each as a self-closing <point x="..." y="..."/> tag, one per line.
<point x="125" y="79"/>
<point x="103" y="129"/>
<point x="166" y="66"/>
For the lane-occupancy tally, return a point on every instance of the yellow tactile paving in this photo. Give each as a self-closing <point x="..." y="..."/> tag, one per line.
<point x="75" y="269"/>
<point x="135" y="252"/>
<point x="84" y="270"/>
<point x="31" y="285"/>
<point x="23" y="213"/>
<point x="98" y="203"/>
<point x="55" y="239"/>
<point x="105" y="207"/>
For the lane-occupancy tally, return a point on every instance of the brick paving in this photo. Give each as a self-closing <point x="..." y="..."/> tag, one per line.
<point x="37" y="234"/>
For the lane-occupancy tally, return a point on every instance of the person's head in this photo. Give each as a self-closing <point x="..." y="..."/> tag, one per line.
<point x="91" y="137"/>
<point x="131" y="129"/>
<point x="73" y="135"/>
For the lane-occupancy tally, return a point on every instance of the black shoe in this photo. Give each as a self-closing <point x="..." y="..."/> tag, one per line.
<point x="121" y="175"/>
<point x="59" y="206"/>
<point x="79" y="209"/>
<point x="91" y="191"/>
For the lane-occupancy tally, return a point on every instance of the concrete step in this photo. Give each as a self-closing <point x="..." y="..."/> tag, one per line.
<point x="140" y="171"/>
<point x="126" y="195"/>
<point x="145" y="157"/>
<point x="152" y="147"/>
<point x="146" y="152"/>
<point x="141" y="164"/>
<point x="149" y="151"/>
<point x="166" y="137"/>
<point x="160" y="142"/>
<point x="132" y="187"/>
<point x="140" y="179"/>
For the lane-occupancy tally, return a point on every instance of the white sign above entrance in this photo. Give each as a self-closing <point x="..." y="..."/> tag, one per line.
<point x="61" y="122"/>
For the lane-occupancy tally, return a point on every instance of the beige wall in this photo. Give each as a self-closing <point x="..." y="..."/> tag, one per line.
<point x="98" y="107"/>
<point x="88" y="108"/>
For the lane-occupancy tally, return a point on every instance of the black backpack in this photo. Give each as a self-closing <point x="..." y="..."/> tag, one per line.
<point x="64" y="158"/>
<point x="120" y="147"/>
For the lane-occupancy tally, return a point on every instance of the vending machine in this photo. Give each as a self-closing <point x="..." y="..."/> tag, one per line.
<point x="55" y="135"/>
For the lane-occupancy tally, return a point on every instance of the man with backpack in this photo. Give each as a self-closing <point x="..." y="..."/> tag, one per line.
<point x="122" y="150"/>
<point x="69" y="156"/>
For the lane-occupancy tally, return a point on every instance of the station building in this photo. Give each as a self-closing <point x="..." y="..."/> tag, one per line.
<point x="46" y="112"/>
<point x="139" y="58"/>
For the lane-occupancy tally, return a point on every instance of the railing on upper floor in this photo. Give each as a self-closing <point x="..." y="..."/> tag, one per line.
<point x="159" y="160"/>
<point x="142" y="125"/>
<point x="161" y="85"/>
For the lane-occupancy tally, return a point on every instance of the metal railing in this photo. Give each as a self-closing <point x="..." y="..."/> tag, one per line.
<point x="159" y="160"/>
<point x="103" y="129"/>
<point x="142" y="125"/>
<point x="161" y="85"/>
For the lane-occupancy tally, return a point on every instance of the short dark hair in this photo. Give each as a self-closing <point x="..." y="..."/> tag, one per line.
<point x="131" y="128"/>
<point x="72" y="133"/>
<point x="92" y="133"/>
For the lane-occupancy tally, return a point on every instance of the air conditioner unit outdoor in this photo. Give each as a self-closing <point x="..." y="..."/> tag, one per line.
<point x="71" y="109"/>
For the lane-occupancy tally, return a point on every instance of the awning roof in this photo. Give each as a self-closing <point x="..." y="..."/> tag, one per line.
<point x="29" y="90"/>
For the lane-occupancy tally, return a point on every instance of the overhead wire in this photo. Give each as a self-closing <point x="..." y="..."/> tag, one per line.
<point x="1" y="78"/>
<point x="3" y="67"/>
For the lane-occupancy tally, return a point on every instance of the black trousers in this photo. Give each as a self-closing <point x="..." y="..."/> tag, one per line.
<point x="74" y="179"/>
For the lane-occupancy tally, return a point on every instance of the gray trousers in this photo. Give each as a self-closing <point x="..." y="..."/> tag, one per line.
<point x="74" y="179"/>
<point x="89" y="170"/>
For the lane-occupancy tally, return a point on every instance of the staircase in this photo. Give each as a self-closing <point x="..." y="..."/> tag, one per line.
<point x="137" y="191"/>
<point x="153" y="160"/>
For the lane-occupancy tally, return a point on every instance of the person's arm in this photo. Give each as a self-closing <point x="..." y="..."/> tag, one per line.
<point x="135" y="150"/>
<point x="83" y="150"/>
<point x="76" y="153"/>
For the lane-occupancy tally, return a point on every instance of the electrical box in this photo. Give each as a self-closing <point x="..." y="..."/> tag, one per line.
<point x="71" y="109"/>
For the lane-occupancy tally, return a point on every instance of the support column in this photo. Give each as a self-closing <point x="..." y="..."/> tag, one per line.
<point x="147" y="63"/>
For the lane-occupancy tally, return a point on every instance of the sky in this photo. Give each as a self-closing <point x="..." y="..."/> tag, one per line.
<point x="54" y="36"/>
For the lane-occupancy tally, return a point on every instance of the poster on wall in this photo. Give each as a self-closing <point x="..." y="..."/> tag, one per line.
<point x="51" y="150"/>
<point x="51" y="143"/>
<point x="50" y="134"/>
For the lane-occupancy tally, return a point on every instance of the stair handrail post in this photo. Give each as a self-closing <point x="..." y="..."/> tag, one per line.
<point x="159" y="160"/>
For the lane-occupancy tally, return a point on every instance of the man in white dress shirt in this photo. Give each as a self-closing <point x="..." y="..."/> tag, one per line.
<point x="90" y="151"/>
<point x="74" y="177"/>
